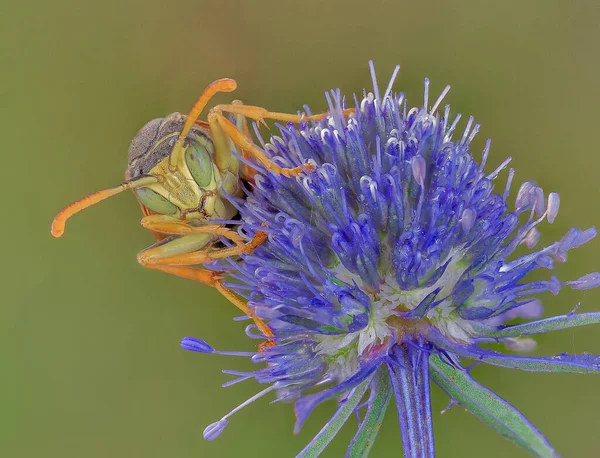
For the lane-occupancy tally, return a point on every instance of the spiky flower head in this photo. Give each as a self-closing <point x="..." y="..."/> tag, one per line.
<point x="390" y="264"/>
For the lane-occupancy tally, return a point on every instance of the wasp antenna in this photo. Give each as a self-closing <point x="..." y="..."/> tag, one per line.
<point x="58" y="224"/>
<point x="221" y="85"/>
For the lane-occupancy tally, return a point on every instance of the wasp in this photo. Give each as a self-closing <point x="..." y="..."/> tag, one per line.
<point x="182" y="171"/>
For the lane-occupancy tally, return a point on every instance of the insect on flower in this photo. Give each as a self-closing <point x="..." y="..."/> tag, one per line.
<point x="182" y="172"/>
<point x="388" y="266"/>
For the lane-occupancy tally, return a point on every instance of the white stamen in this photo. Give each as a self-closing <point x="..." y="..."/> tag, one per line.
<point x="426" y="93"/>
<point x="446" y="116"/>
<point x="325" y="132"/>
<point x="486" y="151"/>
<point x="370" y="98"/>
<point x="391" y="83"/>
<point x="363" y="103"/>
<point x="400" y="100"/>
<point x="511" y="174"/>
<point x="270" y="149"/>
<point x="413" y="111"/>
<point x="501" y="167"/>
<point x="586" y="282"/>
<point x="214" y="430"/>
<point x="235" y="381"/>
<point x="439" y="100"/>
<point x="522" y="199"/>
<point x="211" y="432"/>
<point x="467" y="129"/>
<point x="531" y="309"/>
<point x="419" y="166"/>
<point x="520" y="344"/>
<point x="553" y="206"/>
<point x="467" y="219"/>
<point x="452" y="127"/>
<point x="374" y="79"/>
<point x="258" y="135"/>
<point x="373" y="188"/>
<point x="532" y="238"/>
<point x="539" y="202"/>
<point x="473" y="133"/>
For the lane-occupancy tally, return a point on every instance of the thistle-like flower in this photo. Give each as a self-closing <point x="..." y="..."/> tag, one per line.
<point x="387" y="267"/>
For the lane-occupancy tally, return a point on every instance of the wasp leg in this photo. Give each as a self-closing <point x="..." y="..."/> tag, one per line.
<point x="221" y="85"/>
<point x="193" y="248"/>
<point x="259" y="114"/>
<point x="213" y="279"/>
<point x="222" y="129"/>
<point x="223" y="158"/>
<point x="173" y="253"/>
<point x="166" y="224"/>
<point x="242" y="126"/>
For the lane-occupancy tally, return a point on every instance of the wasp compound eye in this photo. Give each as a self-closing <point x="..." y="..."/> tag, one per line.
<point x="199" y="164"/>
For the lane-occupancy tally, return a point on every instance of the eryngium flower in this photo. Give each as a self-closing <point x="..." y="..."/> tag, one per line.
<point x="388" y="266"/>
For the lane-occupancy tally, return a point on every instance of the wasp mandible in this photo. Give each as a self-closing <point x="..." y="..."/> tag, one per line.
<point x="180" y="170"/>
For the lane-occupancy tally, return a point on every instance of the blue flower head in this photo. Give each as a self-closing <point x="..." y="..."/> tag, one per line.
<point x="388" y="265"/>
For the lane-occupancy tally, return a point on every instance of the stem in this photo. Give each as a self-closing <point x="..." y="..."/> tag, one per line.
<point x="412" y="392"/>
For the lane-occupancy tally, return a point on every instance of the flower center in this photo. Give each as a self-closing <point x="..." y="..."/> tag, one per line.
<point x="386" y="323"/>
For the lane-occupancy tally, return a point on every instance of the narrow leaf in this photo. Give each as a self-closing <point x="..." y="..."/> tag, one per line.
<point x="554" y="323"/>
<point x="490" y="408"/>
<point x="306" y="404"/>
<point x="335" y="423"/>
<point x="380" y="396"/>
<point x="574" y="364"/>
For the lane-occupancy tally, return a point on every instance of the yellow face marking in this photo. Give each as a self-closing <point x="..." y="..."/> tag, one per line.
<point x="179" y="187"/>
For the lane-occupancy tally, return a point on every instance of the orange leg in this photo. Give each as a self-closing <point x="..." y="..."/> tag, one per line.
<point x="219" y="123"/>
<point x="166" y="224"/>
<point x="223" y="130"/>
<point x="154" y="256"/>
<point x="161" y="257"/>
<point x="259" y="114"/>
<point x="192" y="253"/>
<point x="221" y="85"/>
<point x="213" y="279"/>
<point x="222" y="156"/>
<point x="242" y="126"/>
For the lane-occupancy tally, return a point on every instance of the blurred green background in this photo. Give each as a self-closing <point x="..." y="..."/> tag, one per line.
<point x="91" y="364"/>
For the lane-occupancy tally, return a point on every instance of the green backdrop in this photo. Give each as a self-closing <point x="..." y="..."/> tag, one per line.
<point x="91" y="364"/>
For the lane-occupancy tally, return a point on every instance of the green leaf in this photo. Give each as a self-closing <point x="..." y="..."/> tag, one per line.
<point x="381" y="393"/>
<point x="574" y="364"/>
<point x="333" y="426"/>
<point x="554" y="323"/>
<point x="490" y="408"/>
